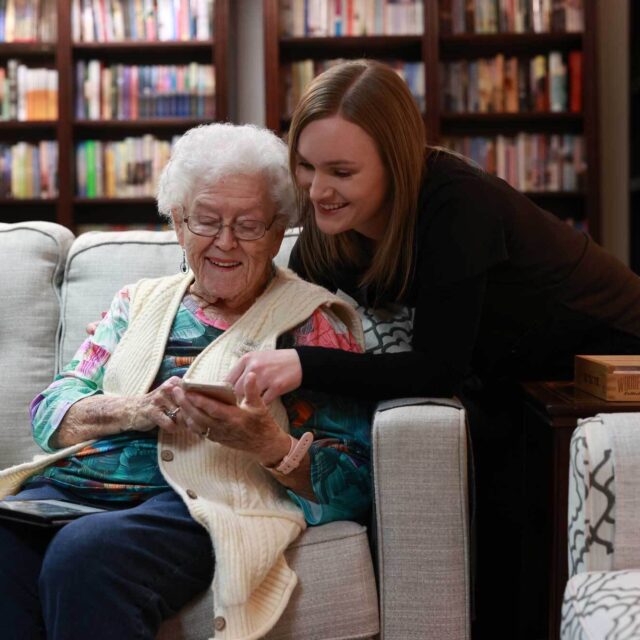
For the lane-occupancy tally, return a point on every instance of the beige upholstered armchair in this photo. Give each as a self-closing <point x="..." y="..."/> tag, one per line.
<point x="407" y="578"/>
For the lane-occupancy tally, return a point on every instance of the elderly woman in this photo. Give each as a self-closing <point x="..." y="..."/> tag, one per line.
<point x="198" y="489"/>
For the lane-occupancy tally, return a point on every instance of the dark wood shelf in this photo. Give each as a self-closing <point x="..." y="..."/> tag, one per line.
<point x="83" y="202"/>
<point x="142" y="45"/>
<point x="510" y="123"/>
<point x="146" y="52"/>
<point x="148" y="124"/>
<point x="350" y="46"/>
<point x="469" y="45"/>
<point x="27" y="49"/>
<point x="27" y="125"/>
<point x="28" y="202"/>
<point x="12" y="131"/>
<point x="521" y="117"/>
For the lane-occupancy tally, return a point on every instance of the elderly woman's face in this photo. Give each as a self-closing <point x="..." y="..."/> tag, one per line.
<point x="234" y="270"/>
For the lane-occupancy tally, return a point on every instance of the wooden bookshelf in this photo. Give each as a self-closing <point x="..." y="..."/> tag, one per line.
<point x="634" y="134"/>
<point x="68" y="209"/>
<point x="432" y="48"/>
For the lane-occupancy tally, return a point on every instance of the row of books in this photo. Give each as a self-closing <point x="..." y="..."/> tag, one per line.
<point x="28" y="21"/>
<point x="510" y="16"/>
<point x="511" y="85"/>
<point x="123" y="168"/>
<point x="29" y="170"/>
<point x="28" y="94"/>
<point x="528" y="162"/>
<point x="297" y="75"/>
<point x="129" y="92"/>
<point x="141" y="20"/>
<point x="324" y="18"/>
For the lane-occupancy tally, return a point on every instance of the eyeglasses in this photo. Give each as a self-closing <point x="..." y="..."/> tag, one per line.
<point x="242" y="230"/>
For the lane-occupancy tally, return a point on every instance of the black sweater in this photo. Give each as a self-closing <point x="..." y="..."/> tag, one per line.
<point x="501" y="288"/>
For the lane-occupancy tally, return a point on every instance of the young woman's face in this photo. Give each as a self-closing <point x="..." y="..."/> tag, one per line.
<point x="340" y="167"/>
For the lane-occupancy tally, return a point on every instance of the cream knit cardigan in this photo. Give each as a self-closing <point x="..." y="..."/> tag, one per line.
<point x="247" y="513"/>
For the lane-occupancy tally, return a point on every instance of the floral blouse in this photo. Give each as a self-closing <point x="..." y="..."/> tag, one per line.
<point x="123" y="468"/>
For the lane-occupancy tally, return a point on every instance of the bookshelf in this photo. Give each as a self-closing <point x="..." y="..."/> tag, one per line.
<point x="634" y="131"/>
<point x="64" y="53"/>
<point x="569" y="133"/>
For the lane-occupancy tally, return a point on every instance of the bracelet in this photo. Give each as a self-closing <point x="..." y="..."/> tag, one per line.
<point x="296" y="453"/>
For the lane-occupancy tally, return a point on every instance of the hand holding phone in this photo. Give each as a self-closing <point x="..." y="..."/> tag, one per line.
<point x="221" y="391"/>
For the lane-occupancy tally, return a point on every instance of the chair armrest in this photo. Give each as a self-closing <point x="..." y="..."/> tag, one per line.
<point x="420" y="485"/>
<point x="604" y="502"/>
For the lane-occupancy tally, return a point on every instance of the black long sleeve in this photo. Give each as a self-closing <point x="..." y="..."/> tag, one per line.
<point x="444" y="331"/>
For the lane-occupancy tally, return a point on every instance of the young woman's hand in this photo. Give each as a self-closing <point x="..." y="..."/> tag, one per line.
<point x="247" y="426"/>
<point x="276" y="372"/>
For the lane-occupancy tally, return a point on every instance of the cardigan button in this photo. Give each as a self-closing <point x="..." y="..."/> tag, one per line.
<point x="167" y="455"/>
<point x="219" y="623"/>
<point x="192" y="494"/>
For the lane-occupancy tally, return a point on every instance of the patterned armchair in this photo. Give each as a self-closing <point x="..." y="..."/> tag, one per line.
<point x="602" y="597"/>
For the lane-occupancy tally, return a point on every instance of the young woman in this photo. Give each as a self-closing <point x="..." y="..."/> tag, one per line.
<point x="484" y="286"/>
<point x="498" y="287"/>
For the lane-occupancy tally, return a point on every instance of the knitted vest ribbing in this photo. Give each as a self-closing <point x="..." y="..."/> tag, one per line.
<point x="249" y="517"/>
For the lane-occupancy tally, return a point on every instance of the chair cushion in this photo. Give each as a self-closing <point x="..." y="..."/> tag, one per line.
<point x="602" y="604"/>
<point x="99" y="265"/>
<point x="335" y="597"/>
<point x="32" y="257"/>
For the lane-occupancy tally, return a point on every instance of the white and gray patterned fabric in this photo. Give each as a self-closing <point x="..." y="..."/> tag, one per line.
<point x="591" y="501"/>
<point x="387" y="329"/>
<point x="603" y="605"/>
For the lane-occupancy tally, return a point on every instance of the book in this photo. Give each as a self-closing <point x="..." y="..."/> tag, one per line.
<point x="575" y="81"/>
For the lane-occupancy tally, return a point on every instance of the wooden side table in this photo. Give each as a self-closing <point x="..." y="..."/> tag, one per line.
<point x="551" y="413"/>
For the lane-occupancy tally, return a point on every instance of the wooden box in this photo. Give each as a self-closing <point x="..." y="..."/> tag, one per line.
<point x="612" y="378"/>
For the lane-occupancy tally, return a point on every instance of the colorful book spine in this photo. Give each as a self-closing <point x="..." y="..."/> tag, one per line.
<point x="140" y="20"/>
<point x="127" y="168"/>
<point x="29" y="170"/>
<point x="529" y="162"/>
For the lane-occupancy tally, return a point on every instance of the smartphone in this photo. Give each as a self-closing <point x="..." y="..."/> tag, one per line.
<point x="221" y="391"/>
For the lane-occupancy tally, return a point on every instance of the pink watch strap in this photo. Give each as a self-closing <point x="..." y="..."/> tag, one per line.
<point x="296" y="453"/>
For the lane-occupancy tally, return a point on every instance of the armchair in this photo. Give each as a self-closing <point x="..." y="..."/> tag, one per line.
<point x="54" y="283"/>
<point x="602" y="597"/>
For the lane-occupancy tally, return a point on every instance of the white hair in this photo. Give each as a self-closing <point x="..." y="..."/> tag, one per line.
<point x="207" y="153"/>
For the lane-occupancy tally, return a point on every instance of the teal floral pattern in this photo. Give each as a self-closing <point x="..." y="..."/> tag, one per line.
<point x="124" y="468"/>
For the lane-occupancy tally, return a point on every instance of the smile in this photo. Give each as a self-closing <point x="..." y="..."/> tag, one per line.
<point x="224" y="265"/>
<point x="332" y="207"/>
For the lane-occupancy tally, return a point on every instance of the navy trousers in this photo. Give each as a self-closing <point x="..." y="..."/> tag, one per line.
<point x="116" y="574"/>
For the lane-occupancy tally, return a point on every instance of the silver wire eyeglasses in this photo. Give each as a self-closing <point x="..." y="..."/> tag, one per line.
<point x="242" y="230"/>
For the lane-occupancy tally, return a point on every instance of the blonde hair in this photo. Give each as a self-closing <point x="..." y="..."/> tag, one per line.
<point x="372" y="96"/>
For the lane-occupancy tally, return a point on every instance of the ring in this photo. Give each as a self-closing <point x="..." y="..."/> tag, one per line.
<point x="205" y="434"/>
<point x="172" y="414"/>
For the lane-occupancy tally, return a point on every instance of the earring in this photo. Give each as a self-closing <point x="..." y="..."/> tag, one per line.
<point x="184" y="267"/>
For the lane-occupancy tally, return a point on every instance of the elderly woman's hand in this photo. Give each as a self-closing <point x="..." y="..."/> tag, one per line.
<point x="247" y="426"/>
<point x="156" y="408"/>
<point x="276" y="372"/>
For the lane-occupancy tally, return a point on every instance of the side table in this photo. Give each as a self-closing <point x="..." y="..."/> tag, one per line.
<point x="551" y="412"/>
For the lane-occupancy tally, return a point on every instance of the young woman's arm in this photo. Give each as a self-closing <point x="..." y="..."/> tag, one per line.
<point x="445" y="329"/>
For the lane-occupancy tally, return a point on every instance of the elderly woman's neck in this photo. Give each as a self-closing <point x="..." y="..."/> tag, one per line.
<point x="225" y="309"/>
